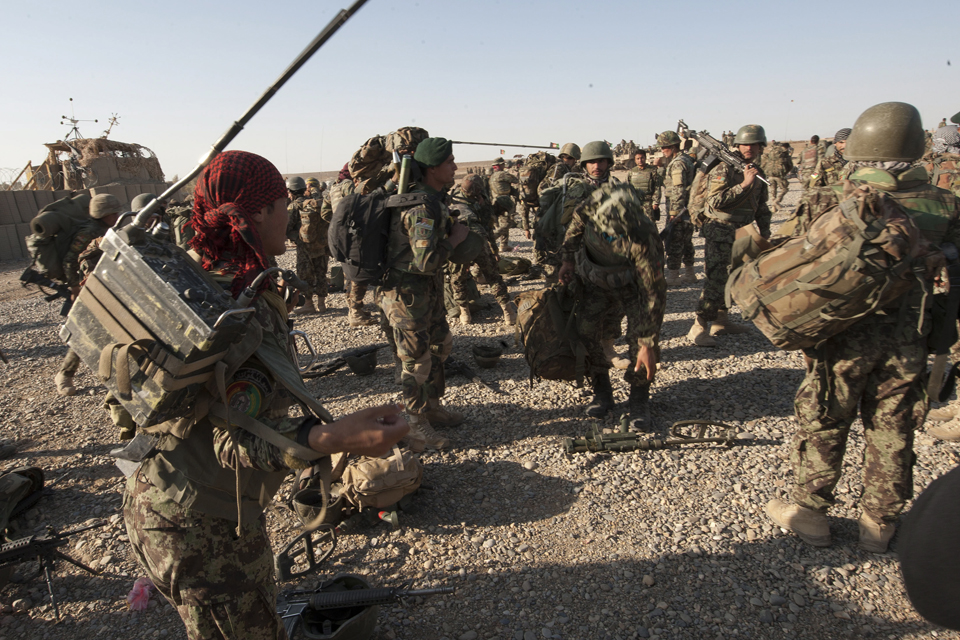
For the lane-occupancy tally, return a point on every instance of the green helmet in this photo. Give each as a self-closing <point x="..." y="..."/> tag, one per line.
<point x="572" y="150"/>
<point x="887" y="132"/>
<point x="596" y="150"/>
<point x="750" y="134"/>
<point x="142" y="200"/>
<point x="102" y="205"/>
<point x="296" y="183"/>
<point x="956" y="118"/>
<point x="313" y="182"/>
<point x="668" y="139"/>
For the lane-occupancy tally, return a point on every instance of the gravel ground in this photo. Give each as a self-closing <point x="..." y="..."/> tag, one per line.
<point x="667" y="544"/>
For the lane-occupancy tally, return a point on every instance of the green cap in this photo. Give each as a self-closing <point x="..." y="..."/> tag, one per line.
<point x="432" y="152"/>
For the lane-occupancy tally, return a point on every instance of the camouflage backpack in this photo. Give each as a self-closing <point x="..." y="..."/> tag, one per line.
<point x="697" y="202"/>
<point x="547" y="323"/>
<point x="557" y="205"/>
<point x="53" y="230"/>
<point x="370" y="164"/>
<point x="855" y="258"/>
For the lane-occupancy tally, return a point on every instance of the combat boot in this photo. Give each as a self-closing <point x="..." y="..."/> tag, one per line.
<point x="673" y="278"/>
<point x="700" y="333"/>
<point x="65" y="385"/>
<point x="360" y="318"/>
<point x="423" y="436"/>
<point x="811" y="526"/>
<point x="611" y="355"/>
<point x="948" y="431"/>
<point x="875" y="536"/>
<point x="602" y="396"/>
<point x="723" y="326"/>
<point x="639" y="404"/>
<point x="465" y="315"/>
<point x="321" y="304"/>
<point x="444" y="417"/>
<point x="943" y="414"/>
<point x="689" y="275"/>
<point x="305" y="309"/>
<point x="509" y="313"/>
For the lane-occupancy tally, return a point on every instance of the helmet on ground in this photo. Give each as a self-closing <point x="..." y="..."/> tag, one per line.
<point x="102" y="205"/>
<point x="668" y="139"/>
<point x="296" y="183"/>
<point x="142" y="200"/>
<point x="572" y="150"/>
<point x="887" y="132"/>
<point x="596" y="150"/>
<point x="750" y="134"/>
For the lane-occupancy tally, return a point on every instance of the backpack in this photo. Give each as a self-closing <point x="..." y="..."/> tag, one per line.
<point x="377" y="483"/>
<point x="547" y="329"/>
<point x="359" y="234"/>
<point x="556" y="208"/>
<point x="53" y="231"/>
<point x="856" y="258"/>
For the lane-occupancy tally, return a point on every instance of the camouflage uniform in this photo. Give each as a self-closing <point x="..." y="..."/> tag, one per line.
<point x="676" y="185"/>
<point x="311" y="241"/>
<point x="411" y="298"/>
<point x="503" y="189"/>
<point x="878" y="364"/>
<point x="829" y="170"/>
<point x="180" y="506"/>
<point x="728" y="207"/>
<point x="777" y="163"/>
<point x="647" y="182"/>
<point x="809" y="159"/>
<point x="476" y="216"/>
<point x="554" y="176"/>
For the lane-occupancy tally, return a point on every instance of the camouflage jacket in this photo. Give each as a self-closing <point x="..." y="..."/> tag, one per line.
<point x="776" y="161"/>
<point x="729" y="206"/>
<point x="944" y="171"/>
<point x="419" y="235"/>
<point x="293" y="218"/>
<point x="72" y="273"/>
<point x="554" y="176"/>
<point x="829" y="170"/>
<point x="504" y="183"/>
<point x="476" y="214"/>
<point x="677" y="181"/>
<point x="313" y="228"/>
<point x="809" y="158"/>
<point x="646" y="181"/>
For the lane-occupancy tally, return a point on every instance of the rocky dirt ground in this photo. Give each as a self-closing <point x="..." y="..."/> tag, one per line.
<point x="664" y="544"/>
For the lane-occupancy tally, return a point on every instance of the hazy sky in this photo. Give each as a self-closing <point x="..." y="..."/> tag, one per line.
<point x="179" y="73"/>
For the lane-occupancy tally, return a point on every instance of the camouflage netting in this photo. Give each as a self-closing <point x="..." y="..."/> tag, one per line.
<point x="130" y="157"/>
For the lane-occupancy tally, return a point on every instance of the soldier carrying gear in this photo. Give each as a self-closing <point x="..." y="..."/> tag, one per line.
<point x="677" y="180"/>
<point x="307" y="231"/>
<point x="569" y="157"/>
<point x="503" y="189"/>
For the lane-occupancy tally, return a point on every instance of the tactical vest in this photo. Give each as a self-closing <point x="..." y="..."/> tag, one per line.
<point x="643" y="180"/>
<point x="688" y="173"/>
<point x="744" y="210"/>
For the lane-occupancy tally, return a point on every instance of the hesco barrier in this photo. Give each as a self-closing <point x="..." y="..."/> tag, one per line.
<point x="18" y="208"/>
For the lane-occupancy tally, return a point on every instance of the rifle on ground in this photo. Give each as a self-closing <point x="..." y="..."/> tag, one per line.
<point x="325" y="368"/>
<point x="299" y="602"/>
<point x="30" y="276"/>
<point x="717" y="152"/>
<point x="455" y="367"/>
<point x="623" y="440"/>
<point x="45" y="549"/>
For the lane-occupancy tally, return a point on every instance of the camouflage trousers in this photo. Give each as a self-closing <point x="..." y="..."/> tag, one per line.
<point x="504" y="208"/>
<point x="221" y="585"/>
<point x="871" y="367"/>
<point x="600" y="317"/>
<point x="680" y="248"/>
<point x="415" y="323"/>
<point x="312" y="268"/>
<point x="70" y="364"/>
<point x="355" y="295"/>
<point x="778" y="188"/>
<point x="716" y="267"/>
<point x="487" y="266"/>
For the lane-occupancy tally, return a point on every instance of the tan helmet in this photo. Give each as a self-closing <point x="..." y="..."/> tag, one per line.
<point x="102" y="205"/>
<point x="596" y="150"/>
<point x="572" y="150"/>
<point x="750" y="134"/>
<point x="887" y="132"/>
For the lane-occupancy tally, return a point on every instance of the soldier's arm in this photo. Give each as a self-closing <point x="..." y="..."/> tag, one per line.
<point x="648" y="258"/>
<point x="326" y="209"/>
<point x="255" y="453"/>
<point x="428" y="243"/>
<point x="720" y="193"/>
<point x="71" y="259"/>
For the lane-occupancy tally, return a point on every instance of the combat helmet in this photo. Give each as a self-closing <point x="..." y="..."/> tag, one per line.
<point x="668" y="139"/>
<point x="296" y="183"/>
<point x="498" y="161"/>
<point x="141" y="201"/>
<point x="572" y="150"/>
<point x="102" y="205"/>
<point x="750" y="134"/>
<point x="596" y="150"/>
<point x="313" y="182"/>
<point x="887" y="132"/>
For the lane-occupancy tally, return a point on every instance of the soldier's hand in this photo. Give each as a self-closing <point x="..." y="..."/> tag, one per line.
<point x="566" y="272"/>
<point x="527" y="233"/>
<point x="749" y="175"/>
<point x="368" y="432"/>
<point x="647" y="360"/>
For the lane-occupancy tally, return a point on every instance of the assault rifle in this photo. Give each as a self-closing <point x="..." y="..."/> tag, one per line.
<point x="453" y="366"/>
<point x="327" y="367"/>
<point x="45" y="549"/>
<point x="623" y="440"/>
<point x="299" y="602"/>
<point x="30" y="276"/>
<point x="717" y="152"/>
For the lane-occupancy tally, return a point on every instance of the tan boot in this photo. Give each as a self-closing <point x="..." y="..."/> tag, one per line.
<point x="65" y="385"/>
<point x="423" y="434"/>
<point x="700" y="333"/>
<point x="811" y="526"/>
<point x="360" y="319"/>
<point x="321" y="304"/>
<point x="465" y="315"/>
<point x="723" y="326"/>
<point x="444" y="417"/>
<point x="943" y="414"/>
<point x="509" y="313"/>
<point x="948" y="431"/>
<point x="673" y="278"/>
<point x="689" y="276"/>
<point x="611" y="355"/>
<point x="875" y="536"/>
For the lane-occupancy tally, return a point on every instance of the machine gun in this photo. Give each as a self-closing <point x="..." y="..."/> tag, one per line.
<point x="623" y="440"/>
<point x="45" y="549"/>
<point x="327" y="367"/>
<point x="30" y="276"/>
<point x="717" y="152"/>
<point x="342" y="604"/>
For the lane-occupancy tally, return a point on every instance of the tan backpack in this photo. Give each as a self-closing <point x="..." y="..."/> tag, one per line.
<point x="856" y="258"/>
<point x="377" y="483"/>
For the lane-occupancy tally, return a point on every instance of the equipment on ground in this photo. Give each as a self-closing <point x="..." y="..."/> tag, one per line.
<point x="623" y="440"/>
<point x="325" y="368"/>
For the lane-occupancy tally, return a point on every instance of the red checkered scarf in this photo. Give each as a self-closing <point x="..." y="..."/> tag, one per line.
<point x="234" y="186"/>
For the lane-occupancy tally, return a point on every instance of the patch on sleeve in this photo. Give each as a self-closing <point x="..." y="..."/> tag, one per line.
<point x="248" y="392"/>
<point x="424" y="222"/>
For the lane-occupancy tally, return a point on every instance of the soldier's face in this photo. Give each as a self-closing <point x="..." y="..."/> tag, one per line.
<point x="750" y="152"/>
<point x="596" y="168"/>
<point x="641" y="160"/>
<point x="271" y="222"/>
<point x="840" y="145"/>
<point x="669" y="152"/>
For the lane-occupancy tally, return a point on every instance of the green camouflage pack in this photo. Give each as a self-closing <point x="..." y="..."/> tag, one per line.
<point x="547" y="329"/>
<point x="53" y="231"/>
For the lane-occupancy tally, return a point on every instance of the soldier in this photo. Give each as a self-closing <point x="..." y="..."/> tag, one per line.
<point x="879" y="363"/>
<point x="569" y="157"/>
<point x="776" y="164"/>
<point x="193" y="509"/>
<point x="645" y="179"/>
<point x="943" y="165"/>
<point x="734" y="199"/>
<point x="503" y="188"/>
<point x="809" y="159"/>
<point x="411" y="295"/>
<point x="104" y="211"/>
<point x="678" y="177"/>
<point x="313" y="237"/>
<point x="829" y="170"/>
<point x="299" y="208"/>
<point x="617" y="256"/>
